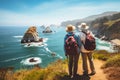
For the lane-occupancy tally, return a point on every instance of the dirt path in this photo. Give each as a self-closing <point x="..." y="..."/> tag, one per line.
<point x="99" y="72"/>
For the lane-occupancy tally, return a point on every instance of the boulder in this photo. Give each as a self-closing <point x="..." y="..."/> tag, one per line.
<point x="31" y="35"/>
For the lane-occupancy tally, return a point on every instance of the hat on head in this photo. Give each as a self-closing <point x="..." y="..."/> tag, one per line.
<point x="83" y="26"/>
<point x="70" y="28"/>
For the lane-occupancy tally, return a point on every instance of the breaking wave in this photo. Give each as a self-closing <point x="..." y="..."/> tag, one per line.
<point x="18" y="37"/>
<point x="27" y="61"/>
<point x="37" y="44"/>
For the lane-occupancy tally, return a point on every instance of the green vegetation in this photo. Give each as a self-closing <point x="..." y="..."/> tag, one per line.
<point x="54" y="71"/>
<point x="58" y="69"/>
<point x="111" y="59"/>
<point x="111" y="67"/>
<point x="101" y="55"/>
<point x="110" y="23"/>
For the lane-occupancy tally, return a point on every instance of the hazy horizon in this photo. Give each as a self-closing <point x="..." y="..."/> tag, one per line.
<point x="39" y="12"/>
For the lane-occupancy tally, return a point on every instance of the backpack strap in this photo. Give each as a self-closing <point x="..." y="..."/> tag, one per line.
<point x="84" y="32"/>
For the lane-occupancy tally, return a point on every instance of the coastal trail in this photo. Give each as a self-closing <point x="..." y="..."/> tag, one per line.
<point x="100" y="75"/>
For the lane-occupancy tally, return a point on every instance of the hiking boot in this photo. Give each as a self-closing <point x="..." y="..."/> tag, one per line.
<point x="85" y="74"/>
<point x="92" y="73"/>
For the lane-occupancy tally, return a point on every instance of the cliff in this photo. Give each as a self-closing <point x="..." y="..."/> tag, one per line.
<point x="58" y="70"/>
<point x="31" y="35"/>
<point x="108" y="26"/>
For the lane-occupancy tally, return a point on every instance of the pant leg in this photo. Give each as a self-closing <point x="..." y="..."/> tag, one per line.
<point x="76" y="58"/>
<point x="84" y="63"/>
<point x="91" y="62"/>
<point x="70" y="64"/>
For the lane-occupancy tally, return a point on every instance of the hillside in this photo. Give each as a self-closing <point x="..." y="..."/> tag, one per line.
<point x="107" y="67"/>
<point x="108" y="26"/>
<point x="87" y="19"/>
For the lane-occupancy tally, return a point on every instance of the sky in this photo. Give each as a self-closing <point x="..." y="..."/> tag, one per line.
<point x="46" y="12"/>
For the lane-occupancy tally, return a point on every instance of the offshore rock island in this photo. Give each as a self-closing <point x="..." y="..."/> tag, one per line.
<point x="31" y="35"/>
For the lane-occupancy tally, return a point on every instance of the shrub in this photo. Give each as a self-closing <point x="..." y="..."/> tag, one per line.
<point x="113" y="61"/>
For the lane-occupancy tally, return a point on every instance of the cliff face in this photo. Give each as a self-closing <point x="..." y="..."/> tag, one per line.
<point x="108" y="26"/>
<point x="31" y="35"/>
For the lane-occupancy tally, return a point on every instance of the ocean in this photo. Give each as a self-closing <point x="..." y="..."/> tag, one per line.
<point x="17" y="55"/>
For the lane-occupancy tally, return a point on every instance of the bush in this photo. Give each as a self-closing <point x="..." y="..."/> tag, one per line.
<point x="103" y="55"/>
<point x="113" y="61"/>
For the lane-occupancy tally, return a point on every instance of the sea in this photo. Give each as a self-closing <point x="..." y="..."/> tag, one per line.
<point x="17" y="55"/>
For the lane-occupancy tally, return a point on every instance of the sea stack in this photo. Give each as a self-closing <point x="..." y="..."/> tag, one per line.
<point x="47" y="30"/>
<point x="31" y="35"/>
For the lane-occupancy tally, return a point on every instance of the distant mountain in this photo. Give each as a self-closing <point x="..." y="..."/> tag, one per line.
<point x="87" y="19"/>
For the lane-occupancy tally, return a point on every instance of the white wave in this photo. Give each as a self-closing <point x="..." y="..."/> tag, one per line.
<point x="35" y="44"/>
<point x="45" y="39"/>
<point x="17" y="36"/>
<point x="41" y="54"/>
<point x="103" y="48"/>
<point x="53" y="54"/>
<point x="59" y="56"/>
<point x="46" y="48"/>
<point x="109" y="48"/>
<point x="15" y="58"/>
<point x="27" y="61"/>
<point x="103" y="42"/>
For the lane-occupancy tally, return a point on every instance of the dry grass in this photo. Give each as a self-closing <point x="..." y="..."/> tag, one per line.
<point x="54" y="71"/>
<point x="113" y="73"/>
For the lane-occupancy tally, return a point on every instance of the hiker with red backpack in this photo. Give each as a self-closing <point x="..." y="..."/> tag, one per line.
<point x="88" y="45"/>
<point x="72" y="46"/>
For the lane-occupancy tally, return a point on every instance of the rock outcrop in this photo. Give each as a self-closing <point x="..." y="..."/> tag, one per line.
<point x="47" y="30"/>
<point x="31" y="35"/>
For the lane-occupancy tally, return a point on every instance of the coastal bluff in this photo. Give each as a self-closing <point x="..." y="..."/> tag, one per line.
<point x="31" y="35"/>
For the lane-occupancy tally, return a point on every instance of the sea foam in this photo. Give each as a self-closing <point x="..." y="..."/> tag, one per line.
<point x="27" y="61"/>
<point x="18" y="36"/>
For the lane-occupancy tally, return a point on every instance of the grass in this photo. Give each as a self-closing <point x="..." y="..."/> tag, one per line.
<point x="54" y="71"/>
<point x="58" y="69"/>
<point x="111" y="67"/>
<point x="102" y="55"/>
<point x="113" y="61"/>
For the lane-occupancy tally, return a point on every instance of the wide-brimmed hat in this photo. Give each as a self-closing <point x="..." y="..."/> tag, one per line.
<point x="70" y="28"/>
<point x="83" y="26"/>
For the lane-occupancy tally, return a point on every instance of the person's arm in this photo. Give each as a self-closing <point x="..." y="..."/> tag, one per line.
<point x="79" y="41"/>
<point x="64" y="45"/>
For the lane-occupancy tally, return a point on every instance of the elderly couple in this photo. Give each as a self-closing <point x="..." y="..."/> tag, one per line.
<point x="73" y="59"/>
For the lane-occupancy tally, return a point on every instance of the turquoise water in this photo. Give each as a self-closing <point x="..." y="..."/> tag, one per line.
<point x="13" y="53"/>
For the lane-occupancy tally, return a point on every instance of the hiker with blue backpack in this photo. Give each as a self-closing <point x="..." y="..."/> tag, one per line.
<point x="88" y="45"/>
<point x="72" y="50"/>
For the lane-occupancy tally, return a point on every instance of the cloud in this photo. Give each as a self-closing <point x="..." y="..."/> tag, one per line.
<point x="54" y="13"/>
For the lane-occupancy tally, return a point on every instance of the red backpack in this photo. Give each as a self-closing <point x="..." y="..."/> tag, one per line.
<point x="71" y="46"/>
<point x="90" y="43"/>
